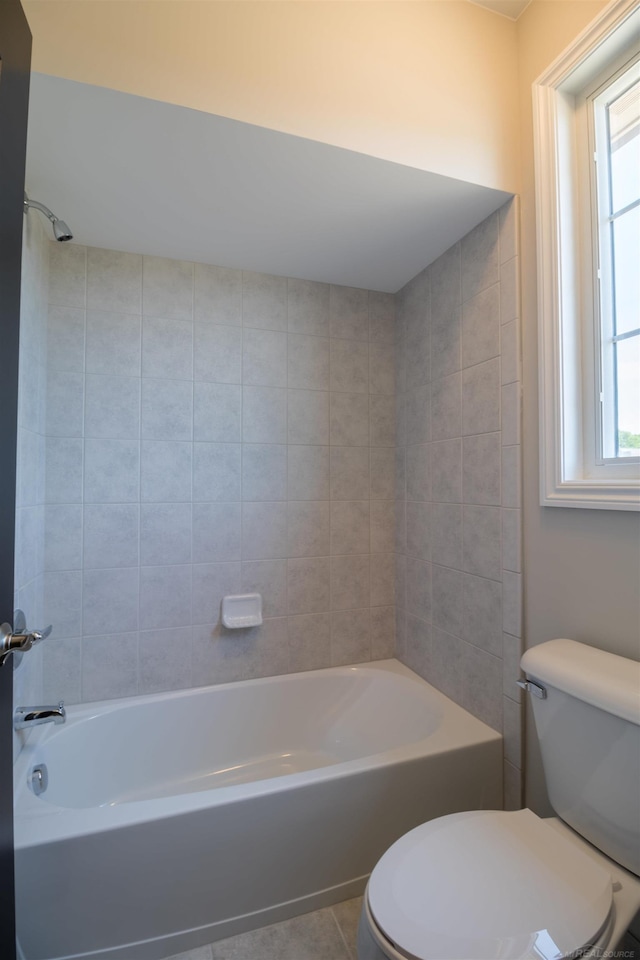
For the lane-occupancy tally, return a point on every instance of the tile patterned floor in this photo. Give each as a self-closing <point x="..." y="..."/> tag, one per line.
<point x="328" y="934"/>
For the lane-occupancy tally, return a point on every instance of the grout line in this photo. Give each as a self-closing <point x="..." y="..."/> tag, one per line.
<point x="341" y="932"/>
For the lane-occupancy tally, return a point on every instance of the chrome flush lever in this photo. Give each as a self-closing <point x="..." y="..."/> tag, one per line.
<point x="18" y="639"/>
<point x="535" y="688"/>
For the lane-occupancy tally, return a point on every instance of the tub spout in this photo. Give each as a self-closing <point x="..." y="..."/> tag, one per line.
<point x="25" y="717"/>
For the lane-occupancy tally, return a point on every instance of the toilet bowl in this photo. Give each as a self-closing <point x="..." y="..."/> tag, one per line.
<point x="490" y="884"/>
<point x="516" y="886"/>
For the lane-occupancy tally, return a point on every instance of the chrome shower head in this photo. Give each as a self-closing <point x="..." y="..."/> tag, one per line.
<point x="61" y="230"/>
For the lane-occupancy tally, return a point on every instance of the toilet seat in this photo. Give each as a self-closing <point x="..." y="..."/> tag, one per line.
<point x="489" y="884"/>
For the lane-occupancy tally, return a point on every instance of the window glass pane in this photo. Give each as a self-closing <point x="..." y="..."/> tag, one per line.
<point x="626" y="265"/>
<point x="624" y="146"/>
<point x="628" y="396"/>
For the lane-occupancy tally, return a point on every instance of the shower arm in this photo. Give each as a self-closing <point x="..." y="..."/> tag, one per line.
<point x="38" y="206"/>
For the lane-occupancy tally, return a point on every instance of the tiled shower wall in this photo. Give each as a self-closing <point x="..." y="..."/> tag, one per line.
<point x="30" y="484"/>
<point x="212" y="431"/>
<point x="458" y="537"/>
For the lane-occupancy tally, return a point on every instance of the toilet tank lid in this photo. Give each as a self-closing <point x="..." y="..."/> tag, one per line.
<point x="606" y="681"/>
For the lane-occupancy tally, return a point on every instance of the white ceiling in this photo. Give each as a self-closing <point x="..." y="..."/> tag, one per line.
<point x="139" y="175"/>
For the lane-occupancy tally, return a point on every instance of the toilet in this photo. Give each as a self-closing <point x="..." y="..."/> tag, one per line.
<point x="491" y="884"/>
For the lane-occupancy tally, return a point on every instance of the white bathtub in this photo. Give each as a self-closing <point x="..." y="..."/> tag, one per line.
<point x="176" y="819"/>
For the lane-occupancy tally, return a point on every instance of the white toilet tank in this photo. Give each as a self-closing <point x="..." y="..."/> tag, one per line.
<point x="588" y="724"/>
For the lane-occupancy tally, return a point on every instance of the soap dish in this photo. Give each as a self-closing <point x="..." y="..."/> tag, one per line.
<point x="242" y="610"/>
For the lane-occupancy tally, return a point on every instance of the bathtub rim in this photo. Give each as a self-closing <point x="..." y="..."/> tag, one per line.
<point x="37" y="821"/>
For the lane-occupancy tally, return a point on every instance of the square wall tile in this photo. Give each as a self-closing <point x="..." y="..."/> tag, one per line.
<point x="349" y="313"/>
<point x="65" y="338"/>
<point x="217" y="412"/>
<point x="308" y="307"/>
<point x="164" y="664"/>
<point x="167" y="409"/>
<point x="264" y="471"/>
<point x="481" y="398"/>
<point x="165" y="470"/>
<point x="264" y="531"/>
<point x="217" y="353"/>
<point x="112" y="407"/>
<point x="419" y="414"/>
<point x="308" y="472"/>
<point x="350" y="637"/>
<point x="309" y="642"/>
<point x="382" y="579"/>
<point x="482" y="612"/>
<point x="114" y="343"/>
<point x="67" y="274"/>
<point x="110" y="535"/>
<point x="419" y="471"/>
<point x="383" y="632"/>
<point x="382" y="317"/>
<point x="264" y="301"/>
<point x="64" y="404"/>
<point x="167" y="349"/>
<point x="217" y="471"/>
<point x="111" y="471"/>
<point x="308" y="417"/>
<point x="308" y="585"/>
<point x="167" y="288"/>
<point x="308" y="528"/>
<point x="63" y="469"/>
<point x="350" y="527"/>
<point x="350" y="420"/>
<point x="445" y="277"/>
<point x="482" y="541"/>
<point x="382" y="476"/>
<point x="165" y="597"/>
<point x="110" y="601"/>
<point x="264" y="358"/>
<point x="382" y="413"/>
<point x="446" y="342"/>
<point x="481" y="469"/>
<point x="349" y="366"/>
<point x="419" y="536"/>
<point x="349" y="473"/>
<point x="480" y="257"/>
<point x="446" y="534"/>
<point x="308" y="362"/>
<point x="217" y="295"/>
<point x="264" y="415"/>
<point x="481" y="327"/>
<point x="419" y="588"/>
<point x="109" y="666"/>
<point x="210" y="582"/>
<point x="61" y="661"/>
<point x="114" y="280"/>
<point x="165" y="533"/>
<point x="63" y="537"/>
<point x="382" y="377"/>
<point x="446" y="470"/>
<point x="510" y="290"/>
<point x="446" y="407"/>
<point x="269" y="579"/>
<point x="350" y="583"/>
<point x="447" y="610"/>
<point x="481" y="681"/>
<point x="62" y="603"/>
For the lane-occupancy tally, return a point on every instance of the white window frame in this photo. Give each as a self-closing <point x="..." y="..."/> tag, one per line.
<point x="570" y="473"/>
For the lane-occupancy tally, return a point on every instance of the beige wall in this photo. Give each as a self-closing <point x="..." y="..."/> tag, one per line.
<point x="428" y="84"/>
<point x="582" y="567"/>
